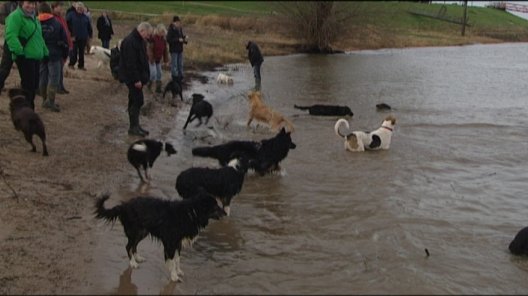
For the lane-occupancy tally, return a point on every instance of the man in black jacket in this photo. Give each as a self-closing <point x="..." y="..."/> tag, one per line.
<point x="134" y="72"/>
<point x="256" y="59"/>
<point x="105" y="29"/>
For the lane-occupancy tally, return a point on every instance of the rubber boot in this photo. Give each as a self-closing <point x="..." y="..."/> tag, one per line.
<point x="158" y="86"/>
<point x="51" y="99"/>
<point x="44" y="95"/>
<point x="257" y="84"/>
<point x="133" y="116"/>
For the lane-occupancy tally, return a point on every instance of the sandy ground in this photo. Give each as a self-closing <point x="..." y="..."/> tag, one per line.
<point x="47" y="203"/>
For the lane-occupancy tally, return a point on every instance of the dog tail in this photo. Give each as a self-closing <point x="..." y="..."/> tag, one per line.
<point x="338" y="125"/>
<point x="109" y="215"/>
<point x="301" y="107"/>
<point x="203" y="151"/>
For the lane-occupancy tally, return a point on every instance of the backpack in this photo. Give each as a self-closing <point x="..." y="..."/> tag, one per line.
<point x="114" y="62"/>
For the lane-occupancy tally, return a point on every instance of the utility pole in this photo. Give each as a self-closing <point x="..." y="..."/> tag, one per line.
<point x="464" y="20"/>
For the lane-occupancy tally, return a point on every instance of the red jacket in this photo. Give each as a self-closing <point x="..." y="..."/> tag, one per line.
<point x="62" y="21"/>
<point x="158" y="49"/>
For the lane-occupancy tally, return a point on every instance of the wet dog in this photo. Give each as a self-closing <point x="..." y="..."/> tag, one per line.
<point x="383" y="107"/>
<point x="375" y="140"/>
<point x="172" y="222"/>
<point x="143" y="154"/>
<point x="175" y="87"/>
<point x="224" y="79"/>
<point x="271" y="152"/>
<point x="326" y="110"/>
<point x="101" y="54"/>
<point x="260" y="112"/>
<point x="25" y="119"/>
<point x="225" y="152"/>
<point x="519" y="245"/>
<point x="223" y="183"/>
<point x="200" y="108"/>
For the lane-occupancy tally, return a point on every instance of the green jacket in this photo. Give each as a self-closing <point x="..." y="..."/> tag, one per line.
<point x="19" y="25"/>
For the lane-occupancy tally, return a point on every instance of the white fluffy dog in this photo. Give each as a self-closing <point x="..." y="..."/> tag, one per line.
<point x="375" y="140"/>
<point x="101" y="54"/>
<point x="224" y="79"/>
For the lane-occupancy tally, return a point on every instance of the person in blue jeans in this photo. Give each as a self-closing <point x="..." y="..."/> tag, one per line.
<point x="256" y="59"/>
<point x="176" y="39"/>
<point x="50" y="68"/>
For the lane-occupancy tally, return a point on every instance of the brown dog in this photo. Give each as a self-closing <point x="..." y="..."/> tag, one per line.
<point x="259" y="111"/>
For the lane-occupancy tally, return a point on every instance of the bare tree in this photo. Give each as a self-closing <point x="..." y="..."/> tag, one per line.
<point x="317" y="23"/>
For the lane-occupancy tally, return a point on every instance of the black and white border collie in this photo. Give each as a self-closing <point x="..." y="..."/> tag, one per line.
<point x="143" y="153"/>
<point x="25" y="119"/>
<point x="358" y="141"/>
<point x="519" y="245"/>
<point x="200" y="108"/>
<point x="223" y="183"/>
<point x="174" y="223"/>
<point x="225" y="152"/>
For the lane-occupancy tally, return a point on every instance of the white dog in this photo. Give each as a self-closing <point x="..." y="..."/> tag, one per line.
<point x="224" y="79"/>
<point x="375" y="140"/>
<point x="101" y="54"/>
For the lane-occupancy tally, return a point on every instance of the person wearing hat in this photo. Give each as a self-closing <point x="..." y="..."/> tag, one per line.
<point x="176" y="39"/>
<point x="23" y="35"/>
<point x="81" y="30"/>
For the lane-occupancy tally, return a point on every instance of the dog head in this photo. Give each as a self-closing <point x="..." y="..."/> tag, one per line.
<point x="197" y="98"/>
<point x="18" y="98"/>
<point x="213" y="209"/>
<point x="170" y="149"/>
<point x="254" y="96"/>
<point x="389" y="121"/>
<point x="287" y="135"/>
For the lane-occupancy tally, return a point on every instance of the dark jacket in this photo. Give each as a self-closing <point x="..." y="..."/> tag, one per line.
<point x="173" y="39"/>
<point x="254" y="55"/>
<point x="105" y="31"/>
<point x="54" y="36"/>
<point x="79" y="25"/>
<point x="133" y="62"/>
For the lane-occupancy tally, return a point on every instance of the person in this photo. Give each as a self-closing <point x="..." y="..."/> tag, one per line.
<point x="157" y="50"/>
<point x="134" y="72"/>
<point x="255" y="59"/>
<point x="88" y="13"/>
<point x="7" y="62"/>
<point x="23" y="35"/>
<point x="80" y="29"/>
<point x="104" y="29"/>
<point x="57" y="44"/>
<point x="56" y="9"/>
<point x="176" y="39"/>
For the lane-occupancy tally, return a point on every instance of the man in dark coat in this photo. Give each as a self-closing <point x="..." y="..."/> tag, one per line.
<point x="176" y="39"/>
<point x="105" y="30"/>
<point x="134" y="72"/>
<point x="81" y="30"/>
<point x="256" y="59"/>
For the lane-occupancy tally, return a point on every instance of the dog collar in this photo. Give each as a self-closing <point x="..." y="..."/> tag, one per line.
<point x="390" y="129"/>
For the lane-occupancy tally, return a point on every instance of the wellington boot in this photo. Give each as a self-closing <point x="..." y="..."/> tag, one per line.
<point x="51" y="99"/>
<point x="135" y="131"/>
<point x="42" y="92"/>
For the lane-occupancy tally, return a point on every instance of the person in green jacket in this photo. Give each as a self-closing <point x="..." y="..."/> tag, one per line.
<point x="23" y="35"/>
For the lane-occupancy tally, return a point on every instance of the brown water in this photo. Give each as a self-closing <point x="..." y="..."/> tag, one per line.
<point x="335" y="222"/>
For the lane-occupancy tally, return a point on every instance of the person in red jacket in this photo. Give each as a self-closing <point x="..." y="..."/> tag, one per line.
<point x="56" y="9"/>
<point x="157" y="51"/>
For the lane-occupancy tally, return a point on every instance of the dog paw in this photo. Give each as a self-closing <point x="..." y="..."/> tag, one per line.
<point x="134" y="264"/>
<point x="175" y="277"/>
<point x="139" y="258"/>
<point x="180" y="272"/>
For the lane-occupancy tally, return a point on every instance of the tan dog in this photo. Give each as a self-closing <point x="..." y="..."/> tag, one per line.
<point x="375" y="140"/>
<point x="259" y="111"/>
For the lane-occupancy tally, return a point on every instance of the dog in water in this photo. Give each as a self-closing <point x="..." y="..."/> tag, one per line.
<point x="225" y="152"/>
<point x="271" y="152"/>
<point x="200" y="108"/>
<point x="101" y="54"/>
<point x="374" y="140"/>
<point x="326" y="110"/>
<point x="175" y="87"/>
<point x="174" y="223"/>
<point x="143" y="154"/>
<point x="519" y="245"/>
<point x="260" y="112"/>
<point x="223" y="183"/>
<point x="383" y="107"/>
<point x="25" y="119"/>
<point x="224" y="79"/>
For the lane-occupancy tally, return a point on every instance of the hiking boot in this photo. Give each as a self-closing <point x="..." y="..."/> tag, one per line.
<point x="135" y="131"/>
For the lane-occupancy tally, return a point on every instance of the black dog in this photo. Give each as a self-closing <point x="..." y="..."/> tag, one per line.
<point x="143" y="153"/>
<point x="175" y="87"/>
<point x="172" y="222"/>
<point x="200" y="108"/>
<point x="383" y="107"/>
<point x="271" y="152"/>
<point x="25" y="119"/>
<point x="225" y="152"/>
<point x="223" y="183"/>
<point x="519" y="245"/>
<point x="326" y="110"/>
